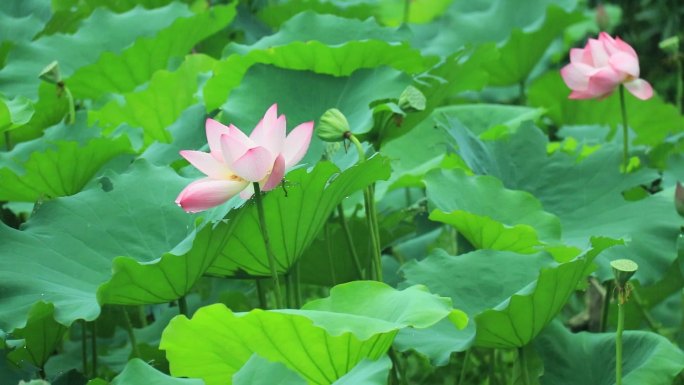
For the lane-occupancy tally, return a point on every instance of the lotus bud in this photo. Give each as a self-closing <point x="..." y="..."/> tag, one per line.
<point x="679" y="199"/>
<point x="412" y="100"/>
<point x="50" y="73"/>
<point x="333" y="126"/>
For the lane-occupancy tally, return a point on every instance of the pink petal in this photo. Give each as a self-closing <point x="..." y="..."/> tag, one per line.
<point x="598" y="53"/>
<point x="247" y="192"/>
<point x="214" y="131"/>
<point x="234" y="146"/>
<point x="581" y="95"/>
<point x="604" y="82"/>
<point x="624" y="47"/>
<point x="575" y="77"/>
<point x="608" y="43"/>
<point x="276" y="174"/>
<point x="296" y="144"/>
<point x="254" y="165"/>
<point x="640" y="88"/>
<point x="206" y="163"/>
<point x="577" y="55"/>
<point x="270" y="132"/>
<point x="206" y="193"/>
<point x="625" y="63"/>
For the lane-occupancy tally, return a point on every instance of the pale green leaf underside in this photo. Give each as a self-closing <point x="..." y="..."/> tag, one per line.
<point x="294" y="217"/>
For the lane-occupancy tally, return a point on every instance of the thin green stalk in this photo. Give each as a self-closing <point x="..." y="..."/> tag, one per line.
<point x="464" y="367"/>
<point x="93" y="346"/>
<point x="522" y="359"/>
<point x="131" y="335"/>
<point x="289" y="291"/>
<point x="606" y="305"/>
<point x="407" y="11"/>
<point x="8" y="141"/>
<point x="183" y="305"/>
<point x="371" y="216"/>
<point x="618" y="343"/>
<point x="267" y="243"/>
<point x="680" y="82"/>
<point x="331" y="261"/>
<point x="297" y="286"/>
<point x="142" y="317"/>
<point x="396" y="368"/>
<point x="71" y="117"/>
<point x="350" y="241"/>
<point x="84" y="347"/>
<point x="261" y="293"/>
<point x="625" y="130"/>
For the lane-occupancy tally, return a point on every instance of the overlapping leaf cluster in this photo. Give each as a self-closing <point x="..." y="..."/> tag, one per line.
<point x="500" y="198"/>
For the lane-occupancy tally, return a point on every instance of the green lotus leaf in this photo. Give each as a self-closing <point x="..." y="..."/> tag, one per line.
<point x="65" y="251"/>
<point x="321" y="343"/>
<point x="490" y="121"/>
<point x="589" y="358"/>
<point x="587" y="196"/>
<point x="137" y="372"/>
<point x="523" y="50"/>
<point x="483" y="197"/>
<point x="258" y="370"/>
<point x="51" y="167"/>
<point x="490" y="21"/>
<point x="294" y="216"/>
<point x="122" y="73"/>
<point x="323" y="44"/>
<point x="517" y="295"/>
<point x="368" y="373"/>
<point x="14" y="112"/>
<point x="41" y="335"/>
<point x="103" y="31"/>
<point x="652" y="120"/>
<point x="159" y="105"/>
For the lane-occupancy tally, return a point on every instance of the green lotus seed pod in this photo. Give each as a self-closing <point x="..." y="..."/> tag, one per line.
<point x="623" y="270"/>
<point x="332" y="126"/>
<point x="412" y="100"/>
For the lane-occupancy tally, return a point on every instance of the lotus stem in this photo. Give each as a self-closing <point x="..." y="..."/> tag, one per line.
<point x="350" y="241"/>
<point x="131" y="335"/>
<point x="183" y="306"/>
<point x="93" y="341"/>
<point x="618" y="343"/>
<point x="84" y="347"/>
<point x="522" y="359"/>
<point x="625" y="130"/>
<point x="371" y="214"/>
<point x="464" y="367"/>
<point x="267" y="243"/>
<point x="261" y="293"/>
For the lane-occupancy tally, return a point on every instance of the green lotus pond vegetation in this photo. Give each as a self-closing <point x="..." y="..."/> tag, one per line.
<point x="330" y="192"/>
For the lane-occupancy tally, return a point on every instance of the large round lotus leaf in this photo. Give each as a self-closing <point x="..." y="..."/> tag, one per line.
<point x="589" y="358"/>
<point x="66" y="249"/>
<point x="137" y="372"/>
<point x="516" y="294"/>
<point x="586" y="196"/>
<point x="320" y="345"/>
<point x="294" y="216"/>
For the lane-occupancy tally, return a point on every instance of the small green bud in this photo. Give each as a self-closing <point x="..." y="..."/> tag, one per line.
<point x="50" y="73"/>
<point x="679" y="199"/>
<point x="670" y="45"/>
<point x="623" y="270"/>
<point x="333" y="126"/>
<point x="412" y="100"/>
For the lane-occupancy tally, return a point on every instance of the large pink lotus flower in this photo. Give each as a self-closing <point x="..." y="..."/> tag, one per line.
<point x="235" y="160"/>
<point x="601" y="66"/>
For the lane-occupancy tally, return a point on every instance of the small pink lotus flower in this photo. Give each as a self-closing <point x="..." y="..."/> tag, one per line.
<point x="235" y="160"/>
<point x="601" y="66"/>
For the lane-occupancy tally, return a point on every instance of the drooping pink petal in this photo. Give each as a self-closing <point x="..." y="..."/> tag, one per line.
<point x="206" y="163"/>
<point x="640" y="88"/>
<point x="296" y="143"/>
<point x="276" y="174"/>
<point x="254" y="165"/>
<point x="206" y="193"/>
<point x="270" y="132"/>
<point x="599" y="55"/>
<point x="214" y="131"/>
<point x="574" y="76"/>
<point x="625" y="63"/>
